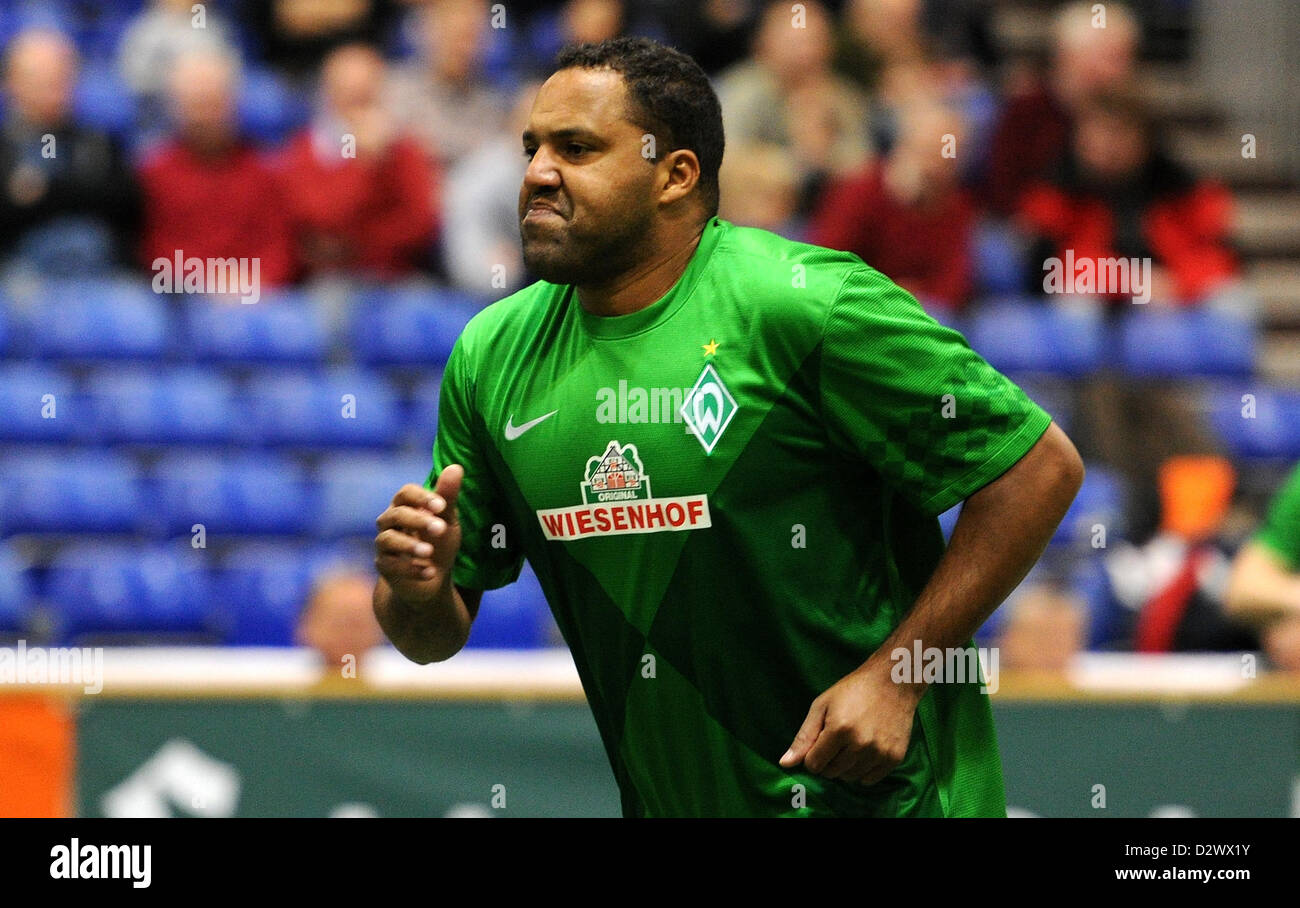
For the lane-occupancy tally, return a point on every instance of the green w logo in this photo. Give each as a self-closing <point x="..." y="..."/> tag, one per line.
<point x="709" y="407"/>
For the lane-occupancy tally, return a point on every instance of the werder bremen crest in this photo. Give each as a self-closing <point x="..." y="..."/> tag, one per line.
<point x="709" y="407"/>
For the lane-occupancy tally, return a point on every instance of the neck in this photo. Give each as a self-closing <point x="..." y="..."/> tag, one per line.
<point x="642" y="285"/>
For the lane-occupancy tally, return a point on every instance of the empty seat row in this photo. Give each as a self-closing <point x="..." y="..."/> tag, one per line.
<point x="125" y="319"/>
<point x="252" y="597"/>
<point x="316" y="408"/>
<point x="1017" y="335"/>
<point x="65" y="491"/>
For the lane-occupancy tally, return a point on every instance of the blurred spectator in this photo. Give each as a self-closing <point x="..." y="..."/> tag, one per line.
<point x="162" y="34"/>
<point x="1176" y="583"/>
<point x="574" y="22"/>
<point x="1047" y="627"/>
<point x="69" y="203"/>
<point x="1118" y="193"/>
<point x="759" y="187"/>
<point x="1032" y="133"/>
<point x="1264" y="588"/>
<point x="878" y="36"/>
<point x="905" y="214"/>
<point x="338" y="620"/>
<point x="442" y="97"/>
<point x="482" y="253"/>
<point x="788" y="96"/>
<point x="887" y="47"/>
<point x="358" y="190"/>
<point x="207" y="192"/>
<point x="297" y="35"/>
<point x="716" y="33"/>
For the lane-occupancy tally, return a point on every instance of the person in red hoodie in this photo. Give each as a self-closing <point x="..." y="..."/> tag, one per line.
<point x="1094" y="49"/>
<point x="1119" y="194"/>
<point x="905" y="215"/>
<point x="207" y="192"/>
<point x="359" y="193"/>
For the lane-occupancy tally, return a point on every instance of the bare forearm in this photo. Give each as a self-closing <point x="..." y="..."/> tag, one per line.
<point x="424" y="631"/>
<point x="1261" y="589"/>
<point x="1003" y="529"/>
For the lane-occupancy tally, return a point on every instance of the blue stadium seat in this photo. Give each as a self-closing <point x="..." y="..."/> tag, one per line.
<point x="1026" y="336"/>
<point x="945" y="316"/>
<point x="260" y="589"/>
<point x="268" y="110"/>
<point x="15" y="591"/>
<point x="1108" y="620"/>
<point x="278" y="328"/>
<point x="38" y="403"/>
<point x="103" y="101"/>
<point x="167" y="406"/>
<point x="124" y="589"/>
<point x="1100" y="501"/>
<point x="422" y="412"/>
<point x="948" y="520"/>
<point x="354" y="489"/>
<point x="1265" y="424"/>
<point x="69" y="491"/>
<point x="999" y="258"/>
<point x="515" y="616"/>
<point x="332" y="408"/>
<point x="99" y="320"/>
<point x="409" y="326"/>
<point x="246" y="494"/>
<point x="1171" y="343"/>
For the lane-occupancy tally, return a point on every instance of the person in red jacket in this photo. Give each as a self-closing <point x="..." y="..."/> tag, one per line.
<point x="359" y="193"/>
<point x="1119" y="194"/>
<point x="905" y="215"/>
<point x="207" y="192"/>
<point x="1093" y="50"/>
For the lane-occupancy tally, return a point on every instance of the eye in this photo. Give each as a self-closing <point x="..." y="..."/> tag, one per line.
<point x="575" y="149"/>
<point x="529" y="152"/>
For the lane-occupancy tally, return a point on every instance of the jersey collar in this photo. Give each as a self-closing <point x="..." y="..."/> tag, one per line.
<point x="609" y="326"/>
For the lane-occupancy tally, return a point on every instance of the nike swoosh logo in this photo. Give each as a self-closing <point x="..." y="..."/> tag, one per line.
<point x="513" y="432"/>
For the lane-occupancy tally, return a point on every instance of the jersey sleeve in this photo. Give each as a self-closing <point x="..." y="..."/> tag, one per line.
<point x="911" y="397"/>
<point x="1281" y="529"/>
<point x="489" y="555"/>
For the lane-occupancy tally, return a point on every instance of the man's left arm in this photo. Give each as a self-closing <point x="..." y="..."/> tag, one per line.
<point x="860" y="728"/>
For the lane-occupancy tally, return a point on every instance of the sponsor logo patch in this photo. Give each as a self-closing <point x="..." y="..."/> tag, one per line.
<point x="617" y="500"/>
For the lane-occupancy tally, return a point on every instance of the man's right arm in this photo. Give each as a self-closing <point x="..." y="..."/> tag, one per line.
<point x="424" y="614"/>
<point x="431" y="630"/>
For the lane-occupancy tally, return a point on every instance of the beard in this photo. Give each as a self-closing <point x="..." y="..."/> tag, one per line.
<point x="561" y="252"/>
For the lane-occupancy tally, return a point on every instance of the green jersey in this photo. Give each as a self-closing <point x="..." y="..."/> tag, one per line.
<point x="730" y="499"/>
<point x="1281" y="529"/>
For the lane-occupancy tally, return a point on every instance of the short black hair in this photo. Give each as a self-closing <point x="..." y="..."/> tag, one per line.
<point x="670" y="96"/>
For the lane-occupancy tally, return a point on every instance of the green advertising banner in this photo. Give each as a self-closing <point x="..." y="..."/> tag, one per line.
<point x="410" y="757"/>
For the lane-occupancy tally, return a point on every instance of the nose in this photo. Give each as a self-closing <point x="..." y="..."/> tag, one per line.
<point x="541" y="173"/>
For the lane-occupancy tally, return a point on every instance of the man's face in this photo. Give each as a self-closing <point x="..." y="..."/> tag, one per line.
<point x="586" y="164"/>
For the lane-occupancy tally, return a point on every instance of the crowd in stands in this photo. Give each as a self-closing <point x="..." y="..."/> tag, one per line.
<point x="376" y="144"/>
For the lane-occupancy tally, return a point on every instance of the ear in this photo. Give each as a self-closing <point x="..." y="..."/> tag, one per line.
<point x="679" y="174"/>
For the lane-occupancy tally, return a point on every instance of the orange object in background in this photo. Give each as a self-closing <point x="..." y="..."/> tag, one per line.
<point x="37" y="734"/>
<point x="1195" y="494"/>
